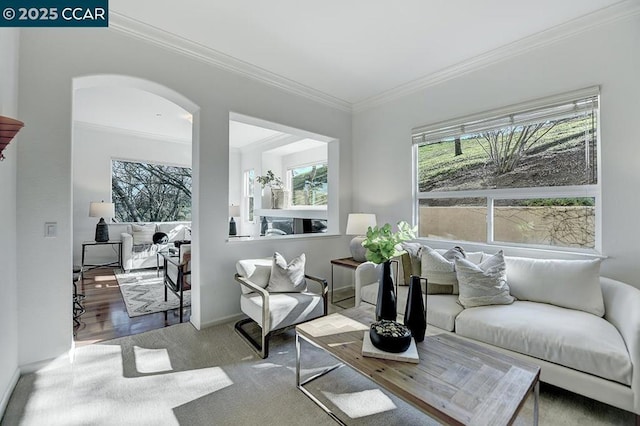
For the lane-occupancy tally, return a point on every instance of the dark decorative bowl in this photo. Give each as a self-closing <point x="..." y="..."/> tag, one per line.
<point x="390" y="336"/>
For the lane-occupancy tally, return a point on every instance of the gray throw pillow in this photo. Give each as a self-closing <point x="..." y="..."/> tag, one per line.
<point x="483" y="284"/>
<point x="287" y="277"/>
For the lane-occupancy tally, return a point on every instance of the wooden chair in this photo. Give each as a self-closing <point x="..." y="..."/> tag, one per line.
<point x="177" y="274"/>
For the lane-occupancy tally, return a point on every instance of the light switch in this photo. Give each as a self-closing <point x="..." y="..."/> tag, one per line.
<point x="50" y="229"/>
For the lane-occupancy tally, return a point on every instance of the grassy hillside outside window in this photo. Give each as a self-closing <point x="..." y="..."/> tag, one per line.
<point x="527" y="176"/>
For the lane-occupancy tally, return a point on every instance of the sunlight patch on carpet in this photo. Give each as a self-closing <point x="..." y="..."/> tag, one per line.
<point x="97" y="392"/>
<point x="151" y="360"/>
<point x="360" y="404"/>
<point x="266" y="365"/>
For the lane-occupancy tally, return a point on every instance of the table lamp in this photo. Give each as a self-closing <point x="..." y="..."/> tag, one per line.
<point x="357" y="224"/>
<point x="101" y="210"/>
<point x="234" y="211"/>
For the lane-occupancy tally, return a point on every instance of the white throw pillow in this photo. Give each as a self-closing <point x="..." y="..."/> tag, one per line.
<point x="483" y="284"/>
<point x="573" y="284"/>
<point x="287" y="277"/>
<point x="256" y="270"/>
<point x="439" y="269"/>
<point x="143" y="234"/>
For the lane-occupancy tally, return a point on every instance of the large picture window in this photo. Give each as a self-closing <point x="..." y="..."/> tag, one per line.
<point x="146" y="192"/>
<point x="526" y="175"/>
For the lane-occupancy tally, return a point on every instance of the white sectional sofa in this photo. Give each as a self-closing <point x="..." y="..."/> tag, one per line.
<point x="595" y="356"/>
<point x="138" y="250"/>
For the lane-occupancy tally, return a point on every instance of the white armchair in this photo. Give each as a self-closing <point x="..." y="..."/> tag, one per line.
<point x="274" y="311"/>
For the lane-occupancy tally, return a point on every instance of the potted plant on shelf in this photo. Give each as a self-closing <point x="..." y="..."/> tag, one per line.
<point x="382" y="245"/>
<point x="278" y="194"/>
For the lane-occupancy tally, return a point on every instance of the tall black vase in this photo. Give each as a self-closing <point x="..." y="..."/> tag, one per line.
<point x="386" y="304"/>
<point x="415" y="316"/>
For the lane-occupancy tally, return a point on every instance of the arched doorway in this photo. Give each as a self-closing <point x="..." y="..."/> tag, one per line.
<point x="126" y="120"/>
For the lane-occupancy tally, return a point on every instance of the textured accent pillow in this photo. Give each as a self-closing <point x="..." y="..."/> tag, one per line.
<point x="440" y="271"/>
<point x="287" y="277"/>
<point x="143" y="234"/>
<point x="483" y="284"/>
<point x="573" y="284"/>
<point x="256" y="270"/>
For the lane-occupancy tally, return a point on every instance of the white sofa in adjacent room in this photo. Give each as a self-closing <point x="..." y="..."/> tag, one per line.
<point x="138" y="250"/>
<point x="582" y="329"/>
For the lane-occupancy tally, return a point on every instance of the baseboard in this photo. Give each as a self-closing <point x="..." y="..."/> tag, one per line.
<point x="35" y="366"/>
<point x="224" y="320"/>
<point x="7" y="394"/>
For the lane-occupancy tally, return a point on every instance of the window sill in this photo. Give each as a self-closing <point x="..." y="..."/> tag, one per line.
<point x="295" y="213"/>
<point x="515" y="250"/>
<point x="281" y="237"/>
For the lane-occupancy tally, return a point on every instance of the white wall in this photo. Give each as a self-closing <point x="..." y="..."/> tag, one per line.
<point x="93" y="149"/>
<point x="608" y="56"/>
<point x="9" y="42"/>
<point x="49" y="60"/>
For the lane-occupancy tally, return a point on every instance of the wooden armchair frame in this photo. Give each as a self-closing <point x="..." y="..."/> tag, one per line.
<point x="176" y="288"/>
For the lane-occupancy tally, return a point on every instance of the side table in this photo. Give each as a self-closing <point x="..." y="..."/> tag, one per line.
<point x="90" y="266"/>
<point x="346" y="262"/>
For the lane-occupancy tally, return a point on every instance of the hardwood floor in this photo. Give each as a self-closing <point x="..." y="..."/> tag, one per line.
<point x="106" y="315"/>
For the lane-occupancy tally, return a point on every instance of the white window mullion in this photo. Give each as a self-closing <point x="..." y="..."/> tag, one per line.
<point x="489" y="220"/>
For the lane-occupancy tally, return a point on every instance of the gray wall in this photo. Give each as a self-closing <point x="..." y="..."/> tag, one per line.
<point x="608" y="56"/>
<point x="49" y="60"/>
<point x="9" y="41"/>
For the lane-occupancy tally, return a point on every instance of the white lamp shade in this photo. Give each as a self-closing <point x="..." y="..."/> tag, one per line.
<point x="102" y="209"/>
<point x="358" y="223"/>
<point x="234" y="211"/>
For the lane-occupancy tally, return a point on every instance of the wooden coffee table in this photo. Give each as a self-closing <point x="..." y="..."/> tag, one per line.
<point x="456" y="381"/>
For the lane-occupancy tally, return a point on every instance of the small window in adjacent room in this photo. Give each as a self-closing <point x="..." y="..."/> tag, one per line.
<point x="308" y="185"/>
<point x="525" y="175"/>
<point x="249" y="194"/>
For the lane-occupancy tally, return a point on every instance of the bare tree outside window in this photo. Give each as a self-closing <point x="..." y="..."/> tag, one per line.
<point x="145" y="192"/>
<point x="309" y="185"/>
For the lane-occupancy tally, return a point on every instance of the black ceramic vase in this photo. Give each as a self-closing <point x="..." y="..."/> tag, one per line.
<point x="386" y="303"/>
<point x="415" y="315"/>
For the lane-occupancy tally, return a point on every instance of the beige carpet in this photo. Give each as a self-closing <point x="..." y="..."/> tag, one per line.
<point x="178" y="375"/>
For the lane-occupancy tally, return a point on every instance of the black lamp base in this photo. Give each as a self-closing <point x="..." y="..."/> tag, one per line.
<point x="102" y="231"/>
<point x="232" y="227"/>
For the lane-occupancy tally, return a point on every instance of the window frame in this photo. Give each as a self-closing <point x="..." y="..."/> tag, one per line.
<point x="247" y="195"/>
<point x="152" y="162"/>
<point x="571" y="191"/>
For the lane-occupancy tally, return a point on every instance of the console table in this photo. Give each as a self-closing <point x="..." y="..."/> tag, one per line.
<point x="90" y="266"/>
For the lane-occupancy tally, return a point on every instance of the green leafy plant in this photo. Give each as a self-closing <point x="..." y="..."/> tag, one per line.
<point x="270" y="179"/>
<point x="382" y="244"/>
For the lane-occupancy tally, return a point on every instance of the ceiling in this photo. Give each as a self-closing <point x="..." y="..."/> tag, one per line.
<point x="348" y="52"/>
<point x="353" y="50"/>
<point x="132" y="110"/>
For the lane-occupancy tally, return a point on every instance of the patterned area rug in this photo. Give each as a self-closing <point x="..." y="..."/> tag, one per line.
<point x="143" y="293"/>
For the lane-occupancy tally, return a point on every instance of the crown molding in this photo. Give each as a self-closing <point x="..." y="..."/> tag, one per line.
<point x="608" y="15"/>
<point x="167" y="40"/>
<point x="129" y="132"/>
